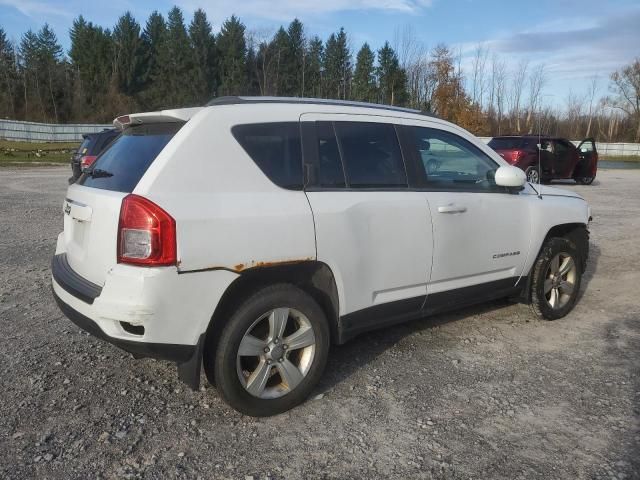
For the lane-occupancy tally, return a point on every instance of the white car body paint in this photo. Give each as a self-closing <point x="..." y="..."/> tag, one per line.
<point x="380" y="246"/>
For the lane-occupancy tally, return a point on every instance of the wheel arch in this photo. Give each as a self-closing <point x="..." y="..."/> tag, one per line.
<point x="576" y="232"/>
<point x="313" y="277"/>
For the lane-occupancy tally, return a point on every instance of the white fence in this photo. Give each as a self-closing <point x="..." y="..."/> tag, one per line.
<point x="46" y="132"/>
<point x="604" y="149"/>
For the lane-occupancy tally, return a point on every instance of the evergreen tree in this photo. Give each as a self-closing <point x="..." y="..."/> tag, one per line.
<point x="175" y="59"/>
<point x="392" y="80"/>
<point x="152" y="39"/>
<point x="50" y="71"/>
<point x="232" y="57"/>
<point x="313" y="68"/>
<point x="282" y="64"/>
<point x="203" y="44"/>
<point x="91" y="56"/>
<point x="337" y="66"/>
<point x="364" y="77"/>
<point x="32" y="92"/>
<point x="127" y="63"/>
<point x="296" y="59"/>
<point x="8" y="77"/>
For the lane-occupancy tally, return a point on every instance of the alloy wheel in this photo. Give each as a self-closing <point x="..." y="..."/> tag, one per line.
<point x="560" y="280"/>
<point x="276" y="353"/>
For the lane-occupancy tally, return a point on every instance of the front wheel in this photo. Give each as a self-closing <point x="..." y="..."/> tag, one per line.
<point x="556" y="279"/>
<point x="272" y="352"/>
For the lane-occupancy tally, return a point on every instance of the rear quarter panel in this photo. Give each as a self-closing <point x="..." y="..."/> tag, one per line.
<point x="228" y="213"/>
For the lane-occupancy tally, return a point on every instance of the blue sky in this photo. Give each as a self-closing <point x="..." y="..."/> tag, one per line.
<point x="575" y="39"/>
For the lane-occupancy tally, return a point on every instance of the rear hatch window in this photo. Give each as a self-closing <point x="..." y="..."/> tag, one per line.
<point x="84" y="146"/>
<point x="122" y="165"/>
<point x="508" y="143"/>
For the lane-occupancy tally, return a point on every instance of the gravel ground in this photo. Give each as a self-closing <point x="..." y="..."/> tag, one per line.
<point x="488" y="392"/>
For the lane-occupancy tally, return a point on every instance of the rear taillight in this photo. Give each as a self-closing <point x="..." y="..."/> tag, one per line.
<point x="86" y="161"/>
<point x="146" y="233"/>
<point x="516" y="156"/>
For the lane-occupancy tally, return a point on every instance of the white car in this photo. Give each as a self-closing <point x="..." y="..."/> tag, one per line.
<point x="251" y="234"/>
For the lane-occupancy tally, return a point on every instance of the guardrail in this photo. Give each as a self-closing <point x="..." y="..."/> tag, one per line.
<point x="604" y="149"/>
<point x="46" y="132"/>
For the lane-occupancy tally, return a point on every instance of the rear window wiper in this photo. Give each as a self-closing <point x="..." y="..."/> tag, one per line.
<point x="99" y="173"/>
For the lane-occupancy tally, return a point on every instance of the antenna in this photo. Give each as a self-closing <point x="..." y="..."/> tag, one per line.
<point x="539" y="154"/>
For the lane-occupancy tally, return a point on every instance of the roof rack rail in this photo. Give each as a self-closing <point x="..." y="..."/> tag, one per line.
<point x="235" y="100"/>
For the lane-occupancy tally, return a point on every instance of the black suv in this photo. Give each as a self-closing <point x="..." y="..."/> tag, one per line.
<point x="92" y="145"/>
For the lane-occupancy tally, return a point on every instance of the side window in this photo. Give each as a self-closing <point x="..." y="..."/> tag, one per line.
<point x="276" y="149"/>
<point x="450" y="162"/>
<point x="330" y="169"/>
<point x="371" y="155"/>
<point x="562" y="147"/>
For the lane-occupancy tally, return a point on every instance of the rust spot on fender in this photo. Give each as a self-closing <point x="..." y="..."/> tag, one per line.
<point x="258" y="264"/>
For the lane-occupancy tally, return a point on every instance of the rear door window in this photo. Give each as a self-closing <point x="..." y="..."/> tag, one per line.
<point x="276" y="149"/>
<point x="121" y="167"/>
<point x="371" y="155"/>
<point x="506" y="143"/>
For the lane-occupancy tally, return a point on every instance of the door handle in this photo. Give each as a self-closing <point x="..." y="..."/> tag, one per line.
<point x="451" y="209"/>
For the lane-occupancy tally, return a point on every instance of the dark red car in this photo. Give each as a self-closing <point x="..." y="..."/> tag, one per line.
<point x="547" y="158"/>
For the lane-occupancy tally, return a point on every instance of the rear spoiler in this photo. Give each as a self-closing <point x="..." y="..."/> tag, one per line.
<point x="162" y="116"/>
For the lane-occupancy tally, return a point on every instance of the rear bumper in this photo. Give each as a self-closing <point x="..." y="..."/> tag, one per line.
<point x="163" y="351"/>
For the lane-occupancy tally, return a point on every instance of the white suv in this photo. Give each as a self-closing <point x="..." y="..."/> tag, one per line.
<point x="250" y="234"/>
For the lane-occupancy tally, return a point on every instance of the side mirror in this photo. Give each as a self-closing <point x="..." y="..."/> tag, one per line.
<point x="508" y="176"/>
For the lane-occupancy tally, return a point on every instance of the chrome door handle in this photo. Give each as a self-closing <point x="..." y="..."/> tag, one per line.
<point x="451" y="209"/>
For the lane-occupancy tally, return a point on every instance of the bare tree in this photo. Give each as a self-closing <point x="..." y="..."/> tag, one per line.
<point x="498" y="88"/>
<point x="478" y="74"/>
<point x="574" y="105"/>
<point x="536" y="84"/>
<point x="515" y="95"/>
<point x="591" y="95"/>
<point x="626" y="87"/>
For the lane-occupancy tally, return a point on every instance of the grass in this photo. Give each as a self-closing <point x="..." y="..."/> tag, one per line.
<point x="27" y="153"/>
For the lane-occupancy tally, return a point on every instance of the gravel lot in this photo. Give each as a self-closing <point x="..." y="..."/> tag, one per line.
<point x="488" y="392"/>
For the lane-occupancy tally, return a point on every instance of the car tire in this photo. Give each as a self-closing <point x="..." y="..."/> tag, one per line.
<point x="533" y="175"/>
<point x="272" y="351"/>
<point x="556" y="278"/>
<point x="585" y="180"/>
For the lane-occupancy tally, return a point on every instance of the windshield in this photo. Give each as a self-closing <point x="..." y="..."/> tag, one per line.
<point x="121" y="166"/>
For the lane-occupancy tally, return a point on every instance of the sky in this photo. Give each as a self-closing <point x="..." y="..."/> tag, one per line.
<point x="574" y="39"/>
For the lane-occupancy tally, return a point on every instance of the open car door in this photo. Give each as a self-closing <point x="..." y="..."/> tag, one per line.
<point x="587" y="166"/>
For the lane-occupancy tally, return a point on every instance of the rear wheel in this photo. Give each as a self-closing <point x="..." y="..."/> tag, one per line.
<point x="585" y="180"/>
<point x="556" y="279"/>
<point x="533" y="175"/>
<point x="272" y="352"/>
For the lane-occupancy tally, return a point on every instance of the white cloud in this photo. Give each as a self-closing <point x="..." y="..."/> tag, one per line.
<point x="32" y="8"/>
<point x="285" y="10"/>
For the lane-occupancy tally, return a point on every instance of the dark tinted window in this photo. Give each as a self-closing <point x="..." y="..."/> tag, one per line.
<point x="450" y="162"/>
<point x="82" y="149"/>
<point x="102" y="141"/>
<point x="506" y="143"/>
<point x="330" y="165"/>
<point x="371" y="155"/>
<point x="122" y="166"/>
<point x="276" y="149"/>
